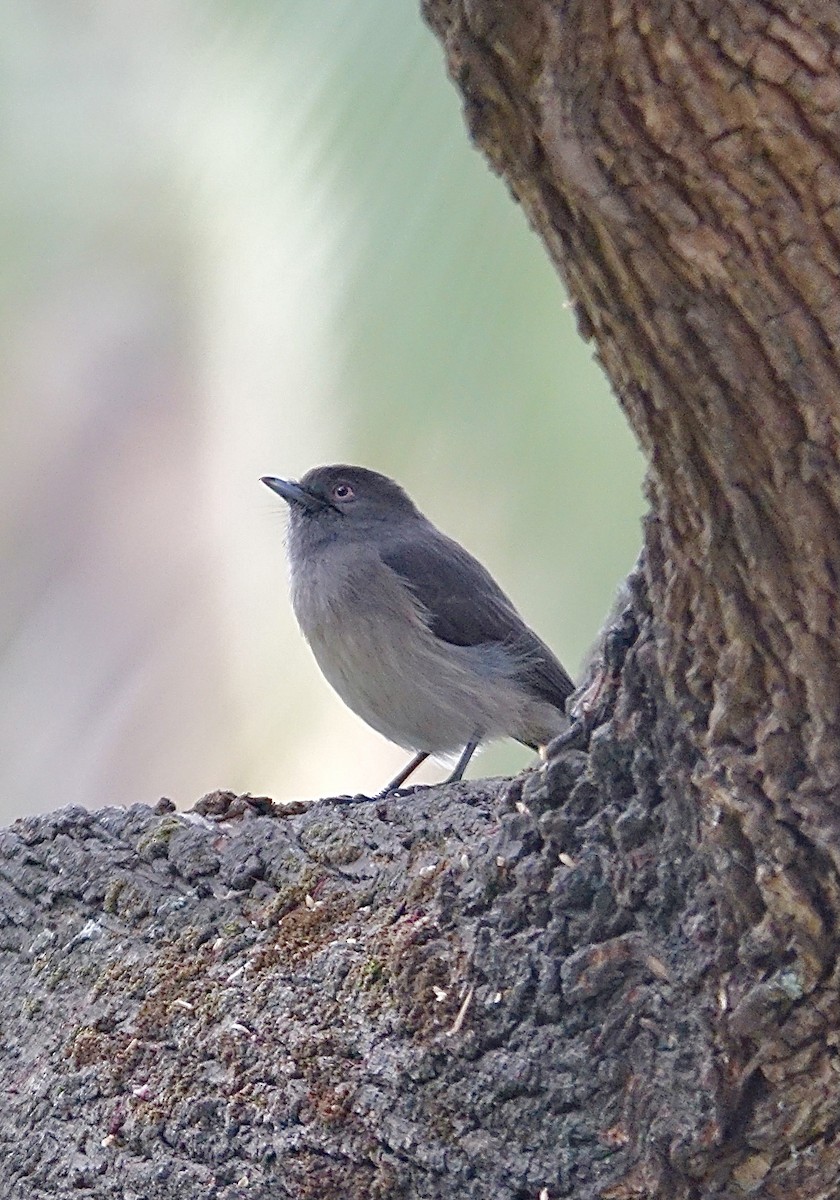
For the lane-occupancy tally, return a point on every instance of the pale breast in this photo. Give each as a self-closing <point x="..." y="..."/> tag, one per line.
<point x="371" y="642"/>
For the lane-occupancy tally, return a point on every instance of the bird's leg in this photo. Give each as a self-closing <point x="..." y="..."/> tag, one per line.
<point x="400" y="779"/>
<point x="462" y="763"/>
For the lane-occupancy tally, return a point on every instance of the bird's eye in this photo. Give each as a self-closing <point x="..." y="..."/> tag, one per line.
<point x="343" y="491"/>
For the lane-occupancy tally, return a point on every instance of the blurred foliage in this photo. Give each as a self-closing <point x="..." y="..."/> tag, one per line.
<point x="241" y="239"/>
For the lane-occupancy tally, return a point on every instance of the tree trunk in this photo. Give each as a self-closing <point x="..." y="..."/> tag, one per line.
<point x="614" y="977"/>
<point x="680" y="162"/>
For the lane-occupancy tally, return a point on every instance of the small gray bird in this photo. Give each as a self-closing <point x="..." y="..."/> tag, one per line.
<point x="413" y="633"/>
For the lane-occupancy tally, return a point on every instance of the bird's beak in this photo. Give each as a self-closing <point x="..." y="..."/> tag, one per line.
<point x="293" y="493"/>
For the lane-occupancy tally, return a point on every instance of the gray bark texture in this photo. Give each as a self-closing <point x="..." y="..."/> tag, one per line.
<point x="616" y="977"/>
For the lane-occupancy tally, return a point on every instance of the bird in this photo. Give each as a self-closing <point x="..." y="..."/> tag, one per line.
<point x="411" y="631"/>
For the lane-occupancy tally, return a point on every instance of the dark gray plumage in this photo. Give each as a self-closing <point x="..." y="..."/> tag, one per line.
<point x="411" y="630"/>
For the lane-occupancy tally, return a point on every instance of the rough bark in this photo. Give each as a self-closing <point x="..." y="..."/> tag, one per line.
<point x="465" y="992"/>
<point x="615" y="977"/>
<point x="680" y="162"/>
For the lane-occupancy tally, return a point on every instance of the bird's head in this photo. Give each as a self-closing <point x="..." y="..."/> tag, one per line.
<point x="343" y="503"/>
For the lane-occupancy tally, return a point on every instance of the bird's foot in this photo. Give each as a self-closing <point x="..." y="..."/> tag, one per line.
<point x="391" y="793"/>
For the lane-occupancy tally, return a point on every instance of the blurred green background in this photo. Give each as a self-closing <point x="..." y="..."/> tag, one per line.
<point x="243" y="239"/>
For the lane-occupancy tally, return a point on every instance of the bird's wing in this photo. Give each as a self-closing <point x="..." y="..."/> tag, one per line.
<point x="545" y="676"/>
<point x="466" y="607"/>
